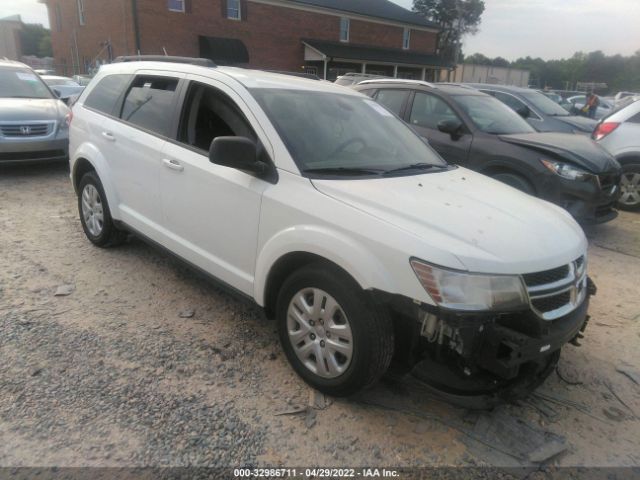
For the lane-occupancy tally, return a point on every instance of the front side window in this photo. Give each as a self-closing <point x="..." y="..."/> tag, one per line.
<point x="104" y="95"/>
<point x="22" y="83"/>
<point x="350" y="135"/>
<point x="233" y="9"/>
<point x="208" y="114"/>
<point x="491" y="115"/>
<point x="149" y="102"/>
<point x="429" y="110"/>
<point x="406" y="38"/>
<point x="545" y="105"/>
<point x="81" y="11"/>
<point x="392" y="99"/>
<point x="175" y="5"/>
<point x="345" y="25"/>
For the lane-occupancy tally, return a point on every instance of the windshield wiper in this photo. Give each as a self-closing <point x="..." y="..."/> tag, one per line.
<point x="344" y="171"/>
<point x="415" y="166"/>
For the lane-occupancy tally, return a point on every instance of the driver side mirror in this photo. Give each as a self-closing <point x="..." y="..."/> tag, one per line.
<point x="452" y="127"/>
<point x="524" y="111"/>
<point x="240" y="153"/>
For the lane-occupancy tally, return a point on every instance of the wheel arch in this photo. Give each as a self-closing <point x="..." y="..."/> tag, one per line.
<point x="88" y="158"/>
<point x="629" y="158"/>
<point x="497" y="168"/>
<point x="286" y="252"/>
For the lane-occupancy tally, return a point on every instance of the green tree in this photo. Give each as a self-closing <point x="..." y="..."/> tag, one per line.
<point x="33" y="38"/>
<point x="455" y="19"/>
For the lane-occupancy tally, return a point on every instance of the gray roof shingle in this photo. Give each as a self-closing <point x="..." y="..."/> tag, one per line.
<point x="383" y="9"/>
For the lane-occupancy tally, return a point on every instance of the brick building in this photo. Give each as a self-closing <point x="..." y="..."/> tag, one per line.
<point x="325" y="37"/>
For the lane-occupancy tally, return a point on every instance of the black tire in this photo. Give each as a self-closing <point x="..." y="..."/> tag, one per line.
<point x="109" y="236"/>
<point x="626" y="170"/>
<point x="515" y="181"/>
<point x="371" y="329"/>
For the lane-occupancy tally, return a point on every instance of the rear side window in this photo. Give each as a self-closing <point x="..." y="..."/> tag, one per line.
<point x="392" y="99"/>
<point x="104" y="95"/>
<point x="149" y="103"/>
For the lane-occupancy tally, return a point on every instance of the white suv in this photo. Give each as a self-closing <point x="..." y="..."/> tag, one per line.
<point x="327" y="210"/>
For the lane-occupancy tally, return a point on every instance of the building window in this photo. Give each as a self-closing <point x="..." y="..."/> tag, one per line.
<point x="175" y="5"/>
<point x="406" y="39"/>
<point x="58" y="18"/>
<point x="344" y="29"/>
<point x="233" y="9"/>
<point x="81" y="11"/>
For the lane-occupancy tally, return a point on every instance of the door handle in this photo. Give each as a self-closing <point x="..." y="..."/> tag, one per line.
<point x="173" y="165"/>
<point x="109" y="136"/>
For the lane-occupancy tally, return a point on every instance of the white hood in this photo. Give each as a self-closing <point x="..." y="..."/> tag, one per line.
<point x="490" y="227"/>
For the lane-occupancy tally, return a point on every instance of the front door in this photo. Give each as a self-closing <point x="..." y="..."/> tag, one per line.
<point x="211" y="212"/>
<point x="424" y="115"/>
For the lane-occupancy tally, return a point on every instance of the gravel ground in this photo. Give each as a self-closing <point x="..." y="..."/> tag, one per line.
<point x="143" y="363"/>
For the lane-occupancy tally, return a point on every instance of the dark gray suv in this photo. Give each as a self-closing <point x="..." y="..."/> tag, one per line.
<point x="34" y="123"/>
<point x="472" y="129"/>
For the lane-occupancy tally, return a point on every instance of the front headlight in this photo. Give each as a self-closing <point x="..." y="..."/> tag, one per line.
<point x="566" y="170"/>
<point x="469" y="291"/>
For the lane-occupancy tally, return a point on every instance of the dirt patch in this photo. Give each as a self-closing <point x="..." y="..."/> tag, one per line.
<point x="114" y="373"/>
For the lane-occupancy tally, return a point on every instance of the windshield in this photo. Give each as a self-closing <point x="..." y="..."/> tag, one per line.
<point x="545" y="104"/>
<point x="491" y="115"/>
<point x="54" y="82"/>
<point x="344" y="134"/>
<point x="21" y="83"/>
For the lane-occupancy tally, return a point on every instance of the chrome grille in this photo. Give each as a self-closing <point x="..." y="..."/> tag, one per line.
<point x="26" y="130"/>
<point x="557" y="292"/>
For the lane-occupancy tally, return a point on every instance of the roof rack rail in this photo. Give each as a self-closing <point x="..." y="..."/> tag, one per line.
<point x="456" y="84"/>
<point x="201" y="62"/>
<point x="400" y="80"/>
<point x="309" y="76"/>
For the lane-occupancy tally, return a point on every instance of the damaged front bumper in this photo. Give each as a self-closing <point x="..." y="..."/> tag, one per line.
<point x="465" y="353"/>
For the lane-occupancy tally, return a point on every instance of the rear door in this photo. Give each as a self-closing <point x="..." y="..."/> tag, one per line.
<point x="212" y="212"/>
<point x="424" y="112"/>
<point x="137" y="137"/>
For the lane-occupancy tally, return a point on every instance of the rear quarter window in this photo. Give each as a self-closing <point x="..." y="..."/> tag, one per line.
<point x="104" y="95"/>
<point x="149" y="102"/>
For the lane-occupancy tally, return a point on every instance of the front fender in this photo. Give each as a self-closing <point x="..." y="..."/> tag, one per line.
<point x="90" y="153"/>
<point x="347" y="253"/>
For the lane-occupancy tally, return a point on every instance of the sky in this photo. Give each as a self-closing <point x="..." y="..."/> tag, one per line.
<point x="510" y="28"/>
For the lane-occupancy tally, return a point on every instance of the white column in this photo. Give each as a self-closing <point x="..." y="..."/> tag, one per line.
<point x="325" y="67"/>
<point x="364" y="68"/>
<point x="395" y="71"/>
<point x="424" y="74"/>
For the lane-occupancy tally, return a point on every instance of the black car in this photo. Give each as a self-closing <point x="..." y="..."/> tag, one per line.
<point x="475" y="130"/>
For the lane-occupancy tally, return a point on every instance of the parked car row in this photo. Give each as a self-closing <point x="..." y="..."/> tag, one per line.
<point x="356" y="222"/>
<point x="331" y="213"/>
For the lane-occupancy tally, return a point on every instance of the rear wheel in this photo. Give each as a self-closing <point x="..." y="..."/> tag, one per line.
<point x="630" y="187"/>
<point x="331" y="332"/>
<point x="94" y="212"/>
<point x="515" y="181"/>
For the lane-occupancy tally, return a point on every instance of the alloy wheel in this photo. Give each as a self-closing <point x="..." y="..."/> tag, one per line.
<point x="92" y="210"/>
<point x="320" y="333"/>
<point x="630" y="187"/>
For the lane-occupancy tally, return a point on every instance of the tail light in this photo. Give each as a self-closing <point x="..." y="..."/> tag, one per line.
<point x="604" y="129"/>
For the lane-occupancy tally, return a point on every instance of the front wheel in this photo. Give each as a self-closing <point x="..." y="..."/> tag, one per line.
<point x="515" y="181"/>
<point x="630" y="187"/>
<point x="331" y="333"/>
